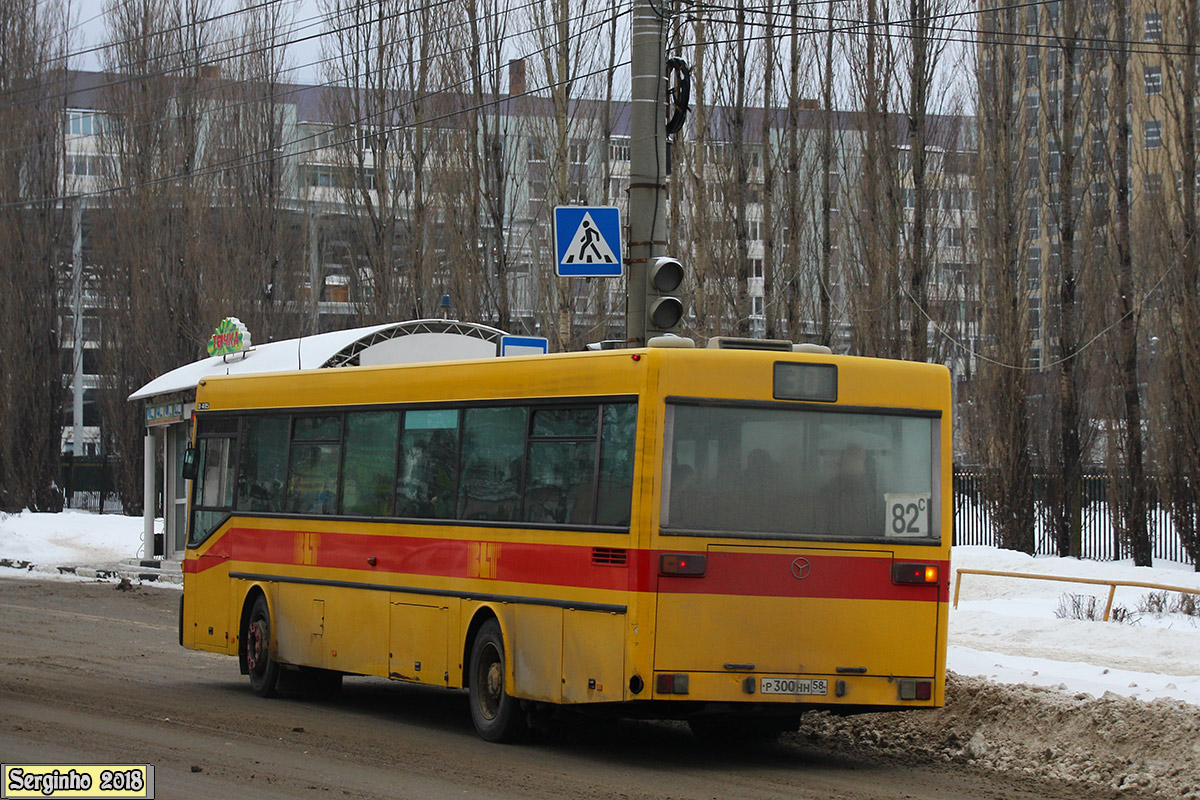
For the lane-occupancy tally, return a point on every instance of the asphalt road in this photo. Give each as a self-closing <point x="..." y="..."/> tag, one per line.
<point x="92" y="674"/>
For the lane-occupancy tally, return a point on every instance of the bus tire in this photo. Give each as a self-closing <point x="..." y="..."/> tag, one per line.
<point x="497" y="715"/>
<point x="264" y="670"/>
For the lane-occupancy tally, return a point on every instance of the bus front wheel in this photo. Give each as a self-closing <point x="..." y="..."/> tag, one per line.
<point x="264" y="670"/>
<point x="497" y="715"/>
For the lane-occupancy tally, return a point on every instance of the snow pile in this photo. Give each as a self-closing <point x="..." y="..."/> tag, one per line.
<point x="1097" y="745"/>
<point x="1010" y="629"/>
<point x="72" y="538"/>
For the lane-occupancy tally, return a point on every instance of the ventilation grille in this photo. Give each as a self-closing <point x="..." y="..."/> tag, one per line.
<point x="609" y="556"/>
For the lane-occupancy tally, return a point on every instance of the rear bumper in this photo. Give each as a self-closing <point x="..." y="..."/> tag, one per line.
<point x="845" y="692"/>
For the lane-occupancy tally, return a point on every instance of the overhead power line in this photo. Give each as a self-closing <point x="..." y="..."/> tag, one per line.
<point x="215" y="87"/>
<point x="851" y="25"/>
<point x="260" y="157"/>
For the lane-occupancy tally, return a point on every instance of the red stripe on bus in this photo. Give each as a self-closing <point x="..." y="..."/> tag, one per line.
<point x="779" y="575"/>
<point x="215" y="555"/>
<point x="520" y="562"/>
<point x="727" y="573"/>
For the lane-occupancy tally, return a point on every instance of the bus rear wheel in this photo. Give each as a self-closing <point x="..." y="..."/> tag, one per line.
<point x="497" y="715"/>
<point x="264" y="670"/>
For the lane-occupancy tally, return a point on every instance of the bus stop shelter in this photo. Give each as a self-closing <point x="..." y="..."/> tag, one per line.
<point x="170" y="399"/>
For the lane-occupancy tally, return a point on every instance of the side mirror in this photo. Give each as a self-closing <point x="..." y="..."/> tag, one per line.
<point x="189" y="468"/>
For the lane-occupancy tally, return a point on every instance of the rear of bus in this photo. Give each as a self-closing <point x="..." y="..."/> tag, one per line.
<point x="802" y="533"/>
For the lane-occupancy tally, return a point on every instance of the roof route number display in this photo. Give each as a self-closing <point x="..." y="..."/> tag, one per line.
<point x="588" y="241"/>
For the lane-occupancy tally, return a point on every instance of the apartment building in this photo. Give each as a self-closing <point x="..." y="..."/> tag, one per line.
<point x="493" y="175"/>
<point x="1065" y="90"/>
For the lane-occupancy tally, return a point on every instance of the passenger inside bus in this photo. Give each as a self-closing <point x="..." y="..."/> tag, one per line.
<point x="853" y="502"/>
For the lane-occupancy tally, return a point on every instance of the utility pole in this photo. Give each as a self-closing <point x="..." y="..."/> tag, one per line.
<point x="647" y="160"/>
<point x="77" y="449"/>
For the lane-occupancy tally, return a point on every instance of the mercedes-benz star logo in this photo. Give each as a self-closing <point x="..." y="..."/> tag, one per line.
<point x="800" y="568"/>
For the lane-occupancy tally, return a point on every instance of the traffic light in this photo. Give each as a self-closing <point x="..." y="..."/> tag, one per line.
<point x="664" y="309"/>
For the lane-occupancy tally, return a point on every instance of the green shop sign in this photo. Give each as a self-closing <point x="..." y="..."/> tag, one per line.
<point x="231" y="336"/>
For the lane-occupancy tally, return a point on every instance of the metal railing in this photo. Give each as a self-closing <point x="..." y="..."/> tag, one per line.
<point x="1112" y="585"/>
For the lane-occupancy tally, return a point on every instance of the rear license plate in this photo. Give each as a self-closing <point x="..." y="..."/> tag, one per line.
<point x="793" y="686"/>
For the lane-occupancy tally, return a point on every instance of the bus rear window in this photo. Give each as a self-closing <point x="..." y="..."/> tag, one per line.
<point x="796" y="473"/>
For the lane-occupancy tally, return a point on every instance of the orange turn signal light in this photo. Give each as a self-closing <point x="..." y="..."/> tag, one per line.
<point x="920" y="574"/>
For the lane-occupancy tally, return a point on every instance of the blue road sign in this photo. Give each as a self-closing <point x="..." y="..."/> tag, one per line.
<point x="524" y="345"/>
<point x="588" y="241"/>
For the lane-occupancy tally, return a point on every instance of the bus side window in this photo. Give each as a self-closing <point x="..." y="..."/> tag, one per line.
<point x="493" y="451"/>
<point x="216" y="477"/>
<point x="427" y="480"/>
<point x="216" y="473"/>
<point x="561" y="481"/>
<point x="617" y="439"/>
<point x="313" y="467"/>
<point x="561" y="478"/>
<point x="262" y="464"/>
<point x="369" y="463"/>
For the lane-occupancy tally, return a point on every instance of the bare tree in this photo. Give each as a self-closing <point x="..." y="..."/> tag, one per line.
<point x="700" y="156"/>
<point x="564" y="143"/>
<point x="370" y="106"/>
<point x="498" y="164"/>
<point x="488" y="205"/>
<point x="1069" y="284"/>
<point x="924" y="48"/>
<point x="766" y="147"/>
<point x="873" y="284"/>
<point x="1129" y="481"/>
<point x="152" y="263"/>
<point x="31" y="221"/>
<point x="250" y="131"/>
<point x="998" y="417"/>
<point x="724" y="171"/>
<point x="1178" y="400"/>
<point x="825" y="330"/>
<point x="804" y="288"/>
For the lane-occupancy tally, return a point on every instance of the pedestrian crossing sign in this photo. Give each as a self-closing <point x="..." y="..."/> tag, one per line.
<point x="588" y="241"/>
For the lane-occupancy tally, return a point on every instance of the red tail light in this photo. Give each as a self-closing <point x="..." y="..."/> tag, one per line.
<point x="691" y="565"/>
<point x="671" y="683"/>
<point x="920" y="574"/>
<point x="911" y="689"/>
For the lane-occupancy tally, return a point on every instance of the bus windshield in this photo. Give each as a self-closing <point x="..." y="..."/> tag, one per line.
<point x="796" y="472"/>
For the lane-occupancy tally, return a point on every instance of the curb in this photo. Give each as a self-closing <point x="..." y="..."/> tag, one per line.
<point x="167" y="573"/>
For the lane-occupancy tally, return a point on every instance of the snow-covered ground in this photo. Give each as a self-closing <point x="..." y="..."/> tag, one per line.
<point x="1006" y="630"/>
<point x="74" y="538"/>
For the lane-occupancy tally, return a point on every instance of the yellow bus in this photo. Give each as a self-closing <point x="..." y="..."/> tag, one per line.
<point x="724" y="536"/>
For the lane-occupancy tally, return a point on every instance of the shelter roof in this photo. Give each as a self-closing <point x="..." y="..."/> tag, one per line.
<point x="390" y="343"/>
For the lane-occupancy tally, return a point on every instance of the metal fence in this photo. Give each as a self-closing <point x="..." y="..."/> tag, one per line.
<point x="88" y="483"/>
<point x="1100" y="541"/>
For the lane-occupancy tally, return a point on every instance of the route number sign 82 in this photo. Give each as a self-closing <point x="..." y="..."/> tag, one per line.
<point x="906" y="514"/>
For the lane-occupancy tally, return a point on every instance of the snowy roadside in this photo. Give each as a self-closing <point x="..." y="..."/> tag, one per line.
<point x="1104" y="708"/>
<point x="1089" y="747"/>
<point x="1009" y="630"/>
<point x="78" y="545"/>
<point x="1005" y="630"/>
